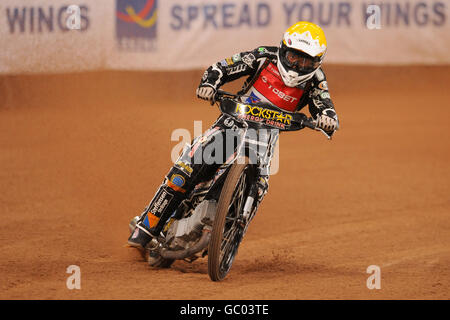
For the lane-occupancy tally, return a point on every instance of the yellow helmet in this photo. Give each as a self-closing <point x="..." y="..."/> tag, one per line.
<point x="301" y="52"/>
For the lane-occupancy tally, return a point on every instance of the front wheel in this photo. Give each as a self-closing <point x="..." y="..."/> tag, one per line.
<point x="228" y="227"/>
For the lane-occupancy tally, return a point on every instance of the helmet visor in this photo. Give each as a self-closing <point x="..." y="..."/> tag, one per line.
<point x="300" y="61"/>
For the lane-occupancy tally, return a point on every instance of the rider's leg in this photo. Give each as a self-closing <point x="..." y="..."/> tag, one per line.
<point x="190" y="169"/>
<point x="266" y="153"/>
<point x="167" y="198"/>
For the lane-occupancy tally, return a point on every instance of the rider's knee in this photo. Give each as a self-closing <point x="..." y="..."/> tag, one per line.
<point x="178" y="180"/>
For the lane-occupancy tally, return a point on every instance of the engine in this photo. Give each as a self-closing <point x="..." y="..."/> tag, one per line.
<point x="184" y="233"/>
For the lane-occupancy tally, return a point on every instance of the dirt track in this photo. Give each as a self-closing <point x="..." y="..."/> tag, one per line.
<point x="81" y="154"/>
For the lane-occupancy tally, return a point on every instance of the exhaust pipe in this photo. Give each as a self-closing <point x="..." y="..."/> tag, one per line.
<point x="183" y="254"/>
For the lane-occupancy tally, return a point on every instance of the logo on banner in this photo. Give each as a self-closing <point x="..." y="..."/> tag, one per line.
<point x="136" y="24"/>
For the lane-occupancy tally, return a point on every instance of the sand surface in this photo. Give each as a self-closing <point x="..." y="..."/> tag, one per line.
<point x="81" y="154"/>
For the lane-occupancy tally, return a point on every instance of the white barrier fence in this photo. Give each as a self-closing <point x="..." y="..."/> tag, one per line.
<point x="38" y="36"/>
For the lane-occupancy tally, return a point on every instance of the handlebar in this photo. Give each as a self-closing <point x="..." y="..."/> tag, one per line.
<point x="300" y="118"/>
<point x="221" y="94"/>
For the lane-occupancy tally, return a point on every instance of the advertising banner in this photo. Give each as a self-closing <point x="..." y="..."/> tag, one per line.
<point x="39" y="36"/>
<point x="53" y="36"/>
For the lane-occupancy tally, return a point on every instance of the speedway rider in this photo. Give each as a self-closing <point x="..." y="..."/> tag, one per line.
<point x="288" y="76"/>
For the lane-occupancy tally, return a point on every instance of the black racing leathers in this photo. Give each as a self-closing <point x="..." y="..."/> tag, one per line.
<point x="313" y="93"/>
<point x="263" y="83"/>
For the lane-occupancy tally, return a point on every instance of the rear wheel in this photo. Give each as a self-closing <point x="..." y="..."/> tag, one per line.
<point x="228" y="228"/>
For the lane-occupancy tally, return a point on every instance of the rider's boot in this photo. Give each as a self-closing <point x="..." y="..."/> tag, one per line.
<point x="166" y="200"/>
<point x="140" y="237"/>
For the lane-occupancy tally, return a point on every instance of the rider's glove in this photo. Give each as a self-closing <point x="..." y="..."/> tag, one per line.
<point x="206" y="92"/>
<point x="328" y="120"/>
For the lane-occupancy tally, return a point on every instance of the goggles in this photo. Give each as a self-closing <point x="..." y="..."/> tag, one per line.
<point x="300" y="62"/>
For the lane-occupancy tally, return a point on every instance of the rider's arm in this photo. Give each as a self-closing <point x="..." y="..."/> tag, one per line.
<point x="239" y="65"/>
<point x="320" y="104"/>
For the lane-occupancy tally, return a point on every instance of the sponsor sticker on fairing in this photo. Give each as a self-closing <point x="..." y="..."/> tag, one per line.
<point x="259" y="114"/>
